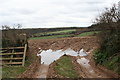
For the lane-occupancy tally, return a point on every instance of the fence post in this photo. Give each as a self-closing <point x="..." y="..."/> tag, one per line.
<point x="25" y="49"/>
<point x="12" y="56"/>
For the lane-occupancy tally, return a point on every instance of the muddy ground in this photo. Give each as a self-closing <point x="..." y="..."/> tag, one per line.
<point x="75" y="43"/>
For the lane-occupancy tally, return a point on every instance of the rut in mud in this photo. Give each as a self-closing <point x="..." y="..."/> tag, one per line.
<point x="42" y="71"/>
<point x="76" y="43"/>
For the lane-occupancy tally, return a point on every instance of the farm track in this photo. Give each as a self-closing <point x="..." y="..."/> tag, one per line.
<point x="75" y="43"/>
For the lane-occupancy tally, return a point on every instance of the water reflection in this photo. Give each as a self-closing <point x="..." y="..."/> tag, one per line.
<point x="85" y="63"/>
<point x="49" y="56"/>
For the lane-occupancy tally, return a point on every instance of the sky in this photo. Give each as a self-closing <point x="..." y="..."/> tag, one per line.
<point x="51" y="13"/>
<point x="119" y="5"/>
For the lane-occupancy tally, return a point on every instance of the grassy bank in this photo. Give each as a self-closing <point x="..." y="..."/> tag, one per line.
<point x="111" y="62"/>
<point x="12" y="71"/>
<point x="108" y="53"/>
<point x="65" y="68"/>
<point x="87" y="33"/>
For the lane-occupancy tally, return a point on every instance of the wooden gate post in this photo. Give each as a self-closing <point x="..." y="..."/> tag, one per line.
<point x="24" y="55"/>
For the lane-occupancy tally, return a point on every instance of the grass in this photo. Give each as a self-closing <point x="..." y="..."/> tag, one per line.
<point x="64" y="67"/>
<point x="87" y="33"/>
<point x="0" y="72"/>
<point x="12" y="71"/>
<point x="113" y="64"/>
<point x="65" y="35"/>
<point x="50" y="37"/>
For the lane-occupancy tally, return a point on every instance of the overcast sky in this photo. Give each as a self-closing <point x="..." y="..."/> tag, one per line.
<point x="51" y="13"/>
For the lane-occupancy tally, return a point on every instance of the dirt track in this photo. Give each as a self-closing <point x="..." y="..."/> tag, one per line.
<point x="76" y="43"/>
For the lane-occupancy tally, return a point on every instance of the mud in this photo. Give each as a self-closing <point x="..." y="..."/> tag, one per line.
<point x="30" y="72"/>
<point x="76" y="43"/>
<point x="42" y="71"/>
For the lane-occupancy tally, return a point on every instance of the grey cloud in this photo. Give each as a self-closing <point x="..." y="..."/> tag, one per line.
<point x="17" y="12"/>
<point x="23" y="11"/>
<point x="50" y="13"/>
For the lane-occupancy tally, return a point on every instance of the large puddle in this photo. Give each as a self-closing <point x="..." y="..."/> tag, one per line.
<point x="49" y="56"/>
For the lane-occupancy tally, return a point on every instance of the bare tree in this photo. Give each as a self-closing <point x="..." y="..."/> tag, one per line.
<point x="109" y="19"/>
<point x="109" y="22"/>
<point x="5" y="27"/>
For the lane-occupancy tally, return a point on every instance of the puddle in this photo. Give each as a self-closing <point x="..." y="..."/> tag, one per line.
<point x="49" y="56"/>
<point x="82" y="53"/>
<point x="85" y="63"/>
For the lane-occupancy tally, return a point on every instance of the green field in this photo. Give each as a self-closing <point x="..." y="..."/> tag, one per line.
<point x="56" y="32"/>
<point x="50" y="37"/>
<point x="64" y="67"/>
<point x="87" y="33"/>
<point x="62" y="34"/>
<point x="63" y="31"/>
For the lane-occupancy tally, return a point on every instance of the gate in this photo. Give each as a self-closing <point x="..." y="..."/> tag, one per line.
<point x="13" y="55"/>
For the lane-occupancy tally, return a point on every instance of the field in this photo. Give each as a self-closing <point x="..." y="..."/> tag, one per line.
<point x="63" y="31"/>
<point x="87" y="33"/>
<point x="62" y="34"/>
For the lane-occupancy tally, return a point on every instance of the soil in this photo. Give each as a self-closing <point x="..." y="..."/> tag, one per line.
<point x="41" y="71"/>
<point x="29" y="73"/>
<point x="88" y="43"/>
<point x="75" y="43"/>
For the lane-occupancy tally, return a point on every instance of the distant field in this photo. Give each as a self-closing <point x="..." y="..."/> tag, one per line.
<point x="62" y="34"/>
<point x="56" y="32"/>
<point x="87" y="33"/>
<point x="50" y="37"/>
<point x="63" y="31"/>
